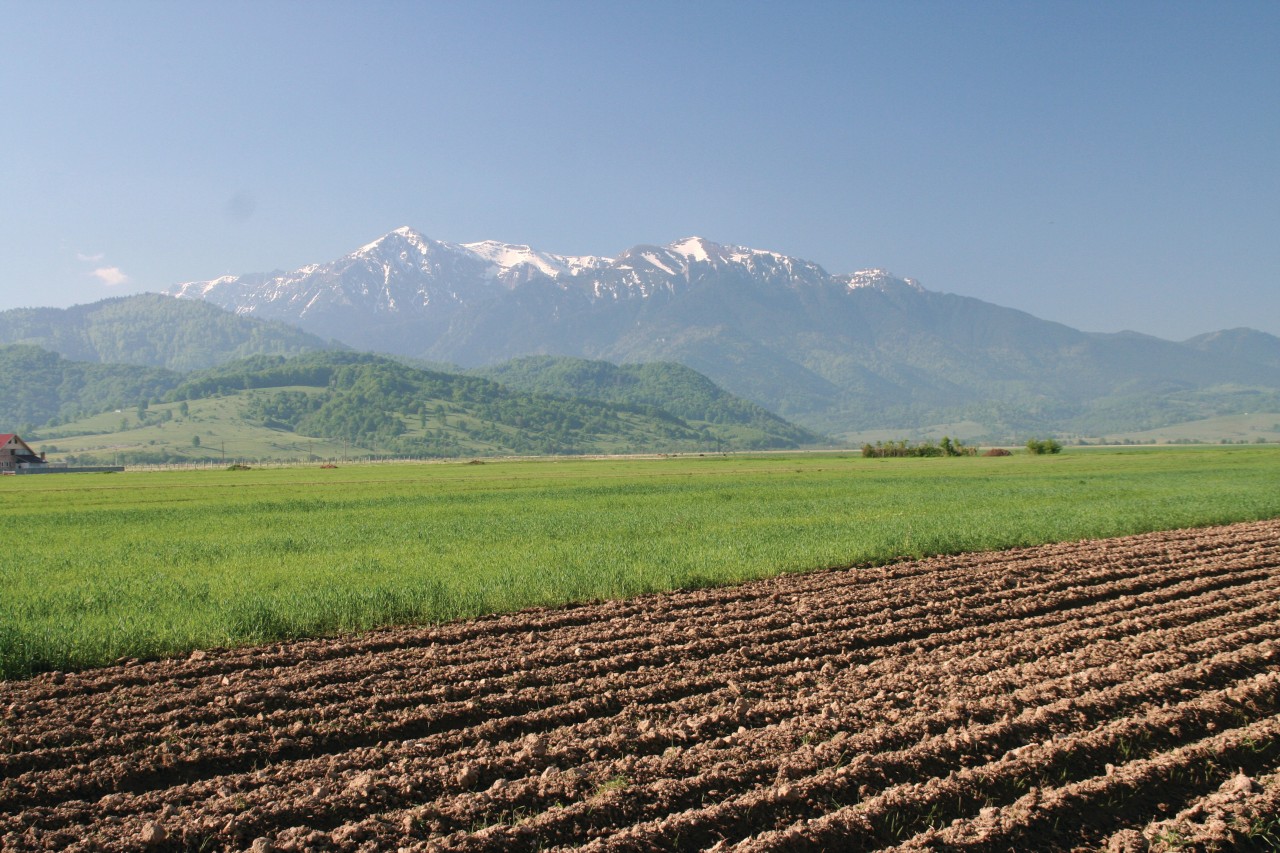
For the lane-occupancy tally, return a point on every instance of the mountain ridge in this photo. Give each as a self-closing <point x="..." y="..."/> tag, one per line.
<point x="834" y="353"/>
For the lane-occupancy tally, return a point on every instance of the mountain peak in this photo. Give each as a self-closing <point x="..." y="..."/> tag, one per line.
<point x="695" y="248"/>
<point x="402" y="234"/>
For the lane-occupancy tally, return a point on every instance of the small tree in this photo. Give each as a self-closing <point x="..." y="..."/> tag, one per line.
<point x="1041" y="446"/>
<point x="195" y="441"/>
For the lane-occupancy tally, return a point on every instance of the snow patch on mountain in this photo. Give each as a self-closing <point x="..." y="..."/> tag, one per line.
<point x="508" y="256"/>
<point x="653" y="258"/>
<point x="408" y="274"/>
<point x="692" y="247"/>
<point x="878" y="278"/>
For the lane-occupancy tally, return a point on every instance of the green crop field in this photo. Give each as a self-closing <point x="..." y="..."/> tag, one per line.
<point x="102" y="566"/>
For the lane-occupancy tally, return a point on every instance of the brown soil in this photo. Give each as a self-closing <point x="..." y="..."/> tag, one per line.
<point x="1244" y="812"/>
<point x="1119" y="694"/>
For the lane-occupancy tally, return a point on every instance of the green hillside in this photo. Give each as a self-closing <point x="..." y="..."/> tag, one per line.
<point x="153" y="331"/>
<point x="673" y="387"/>
<point x="211" y="429"/>
<point x="328" y="405"/>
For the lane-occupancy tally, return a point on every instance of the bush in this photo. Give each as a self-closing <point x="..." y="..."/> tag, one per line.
<point x="904" y="449"/>
<point x="1041" y="446"/>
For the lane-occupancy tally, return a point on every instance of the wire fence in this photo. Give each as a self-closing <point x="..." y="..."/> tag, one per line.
<point x="230" y="462"/>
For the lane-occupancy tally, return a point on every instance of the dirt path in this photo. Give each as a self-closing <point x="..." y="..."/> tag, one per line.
<point x="1099" y="694"/>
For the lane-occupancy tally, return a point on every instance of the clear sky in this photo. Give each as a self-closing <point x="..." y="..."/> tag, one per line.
<point x="1107" y="165"/>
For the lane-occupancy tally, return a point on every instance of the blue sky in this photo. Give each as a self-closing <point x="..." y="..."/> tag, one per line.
<point x="1109" y="166"/>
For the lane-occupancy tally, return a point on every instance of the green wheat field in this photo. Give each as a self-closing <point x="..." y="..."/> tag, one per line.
<point x="97" y="567"/>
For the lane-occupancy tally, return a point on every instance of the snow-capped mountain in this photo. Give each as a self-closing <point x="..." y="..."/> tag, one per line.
<point x="404" y="272"/>
<point x="474" y="303"/>
<point x="478" y="303"/>
<point x="827" y="351"/>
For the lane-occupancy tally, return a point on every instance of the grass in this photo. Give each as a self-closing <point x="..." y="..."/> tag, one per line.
<point x="616" y="783"/>
<point x="101" y="566"/>
<point x="1263" y="831"/>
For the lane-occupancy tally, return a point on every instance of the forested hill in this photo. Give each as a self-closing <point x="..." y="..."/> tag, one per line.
<point x="40" y="387"/>
<point x="680" y="390"/>
<point x="153" y="331"/>
<point x="367" y="404"/>
<point x="369" y="398"/>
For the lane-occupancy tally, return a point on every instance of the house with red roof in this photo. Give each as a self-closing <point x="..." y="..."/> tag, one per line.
<point x="15" y="454"/>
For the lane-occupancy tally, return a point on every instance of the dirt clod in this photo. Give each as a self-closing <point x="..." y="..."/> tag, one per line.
<point x="152" y="835"/>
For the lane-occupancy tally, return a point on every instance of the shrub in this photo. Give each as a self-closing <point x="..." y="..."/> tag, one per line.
<point x="1041" y="446"/>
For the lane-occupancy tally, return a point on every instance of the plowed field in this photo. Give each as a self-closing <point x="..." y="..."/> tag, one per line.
<point x="1113" y="693"/>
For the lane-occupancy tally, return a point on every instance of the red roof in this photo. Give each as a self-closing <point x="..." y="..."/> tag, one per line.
<point x="7" y="437"/>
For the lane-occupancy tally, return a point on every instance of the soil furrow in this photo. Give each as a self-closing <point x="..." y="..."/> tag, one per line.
<point x="247" y="751"/>
<point x="912" y="703"/>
